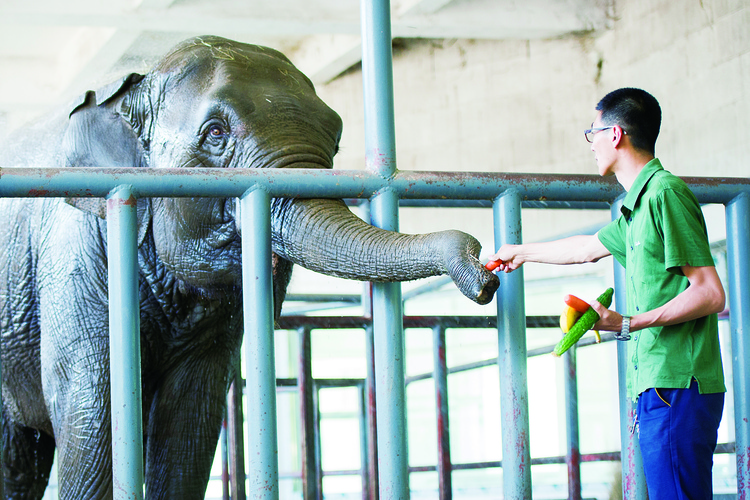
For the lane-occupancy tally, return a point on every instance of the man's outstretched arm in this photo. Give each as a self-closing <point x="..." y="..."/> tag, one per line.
<point x="573" y="250"/>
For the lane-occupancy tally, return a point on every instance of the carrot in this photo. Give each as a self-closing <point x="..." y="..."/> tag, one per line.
<point x="579" y="305"/>
<point x="493" y="264"/>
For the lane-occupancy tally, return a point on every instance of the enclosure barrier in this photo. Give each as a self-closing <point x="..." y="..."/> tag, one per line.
<point x="510" y="191"/>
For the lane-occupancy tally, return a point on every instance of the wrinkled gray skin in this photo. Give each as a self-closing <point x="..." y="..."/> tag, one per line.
<point x="209" y="103"/>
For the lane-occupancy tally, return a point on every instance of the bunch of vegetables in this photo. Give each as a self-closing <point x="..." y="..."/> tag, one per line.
<point x="577" y="318"/>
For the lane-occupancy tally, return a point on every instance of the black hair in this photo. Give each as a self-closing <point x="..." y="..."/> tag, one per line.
<point x="637" y="112"/>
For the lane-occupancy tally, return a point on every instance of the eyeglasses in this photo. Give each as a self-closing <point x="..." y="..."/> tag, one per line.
<point x="589" y="133"/>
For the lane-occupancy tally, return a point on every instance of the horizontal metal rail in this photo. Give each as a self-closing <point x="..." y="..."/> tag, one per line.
<point x="344" y="322"/>
<point x="304" y="183"/>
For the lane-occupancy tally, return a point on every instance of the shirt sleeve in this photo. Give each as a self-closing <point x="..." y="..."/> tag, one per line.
<point x="612" y="237"/>
<point x="684" y="231"/>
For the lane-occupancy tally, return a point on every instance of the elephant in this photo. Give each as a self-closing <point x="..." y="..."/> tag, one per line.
<point x="209" y="102"/>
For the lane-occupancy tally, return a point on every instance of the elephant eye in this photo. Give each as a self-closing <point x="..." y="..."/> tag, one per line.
<point x="214" y="138"/>
<point x="215" y="131"/>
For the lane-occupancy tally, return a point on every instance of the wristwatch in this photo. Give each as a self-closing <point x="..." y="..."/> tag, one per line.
<point x="625" y="331"/>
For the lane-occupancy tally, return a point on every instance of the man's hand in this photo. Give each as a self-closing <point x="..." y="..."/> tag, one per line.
<point x="609" y="320"/>
<point x="508" y="257"/>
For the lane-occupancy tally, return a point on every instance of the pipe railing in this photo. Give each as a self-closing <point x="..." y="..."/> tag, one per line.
<point x="510" y="191"/>
<point x="541" y="189"/>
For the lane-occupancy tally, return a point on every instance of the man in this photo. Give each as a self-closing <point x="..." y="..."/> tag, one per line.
<point x="673" y="297"/>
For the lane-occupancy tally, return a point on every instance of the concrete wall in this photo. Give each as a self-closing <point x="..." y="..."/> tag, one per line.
<point x="521" y="106"/>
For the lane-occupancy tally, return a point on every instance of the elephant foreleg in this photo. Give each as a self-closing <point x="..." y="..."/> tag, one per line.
<point x="83" y="436"/>
<point x="183" y="428"/>
<point x="27" y="461"/>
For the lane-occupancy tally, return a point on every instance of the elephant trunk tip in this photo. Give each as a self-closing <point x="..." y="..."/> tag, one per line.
<point x="484" y="290"/>
<point x="460" y="252"/>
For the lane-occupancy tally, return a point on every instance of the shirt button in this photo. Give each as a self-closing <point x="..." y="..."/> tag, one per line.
<point x="636" y="367"/>
<point x="637" y="308"/>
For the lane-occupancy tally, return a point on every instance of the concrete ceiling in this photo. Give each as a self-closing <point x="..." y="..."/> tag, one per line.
<point x="52" y="50"/>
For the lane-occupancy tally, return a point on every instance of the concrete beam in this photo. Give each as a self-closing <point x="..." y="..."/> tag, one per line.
<point x="324" y="57"/>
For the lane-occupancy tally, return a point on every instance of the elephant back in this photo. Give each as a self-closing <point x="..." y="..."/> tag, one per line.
<point x="35" y="144"/>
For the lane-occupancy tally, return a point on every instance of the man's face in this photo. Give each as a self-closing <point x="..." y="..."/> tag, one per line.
<point x="601" y="145"/>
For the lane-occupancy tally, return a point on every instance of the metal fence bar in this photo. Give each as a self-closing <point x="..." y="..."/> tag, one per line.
<point x="224" y="443"/>
<point x="440" y="375"/>
<point x="511" y="330"/>
<point x="236" y="435"/>
<point x="372" y="418"/>
<point x="317" y="438"/>
<point x="573" y="454"/>
<point x="260" y="369"/>
<point x="380" y="159"/>
<point x="738" y="263"/>
<point x="390" y="390"/>
<point x="364" y="467"/>
<point x="633" y="478"/>
<point x="125" y="345"/>
<point x="307" y="439"/>
<point x="323" y="183"/>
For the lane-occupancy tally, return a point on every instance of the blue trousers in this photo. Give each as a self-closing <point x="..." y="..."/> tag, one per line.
<point x="678" y="433"/>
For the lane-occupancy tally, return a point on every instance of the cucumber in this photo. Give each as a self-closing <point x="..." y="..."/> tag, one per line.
<point x="584" y="324"/>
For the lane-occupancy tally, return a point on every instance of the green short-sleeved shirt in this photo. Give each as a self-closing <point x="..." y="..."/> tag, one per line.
<point x="661" y="229"/>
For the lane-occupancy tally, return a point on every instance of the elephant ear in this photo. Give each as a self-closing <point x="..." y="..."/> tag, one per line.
<point x="99" y="136"/>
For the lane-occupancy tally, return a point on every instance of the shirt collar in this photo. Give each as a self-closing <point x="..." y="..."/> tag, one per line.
<point x="636" y="190"/>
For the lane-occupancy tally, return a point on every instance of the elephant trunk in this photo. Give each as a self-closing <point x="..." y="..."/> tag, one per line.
<point x="325" y="236"/>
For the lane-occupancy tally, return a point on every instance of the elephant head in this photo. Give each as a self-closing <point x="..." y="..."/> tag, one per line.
<point x="213" y="102"/>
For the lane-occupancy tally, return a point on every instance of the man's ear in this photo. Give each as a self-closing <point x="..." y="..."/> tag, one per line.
<point x="617" y="135"/>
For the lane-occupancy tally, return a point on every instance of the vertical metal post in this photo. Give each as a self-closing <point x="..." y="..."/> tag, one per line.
<point x="371" y="492"/>
<point x="377" y="81"/>
<point x="224" y="441"/>
<point x="372" y="418"/>
<point x="573" y="454"/>
<point x="125" y="345"/>
<point x="511" y="331"/>
<point x="738" y="264"/>
<point x="363" y="433"/>
<point x="307" y="415"/>
<point x="390" y="390"/>
<point x="316" y="437"/>
<point x="236" y="436"/>
<point x="380" y="156"/>
<point x="440" y="376"/>
<point x="633" y="478"/>
<point x="260" y="370"/>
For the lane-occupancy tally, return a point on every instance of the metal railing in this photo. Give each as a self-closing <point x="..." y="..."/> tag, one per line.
<point x="255" y="188"/>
